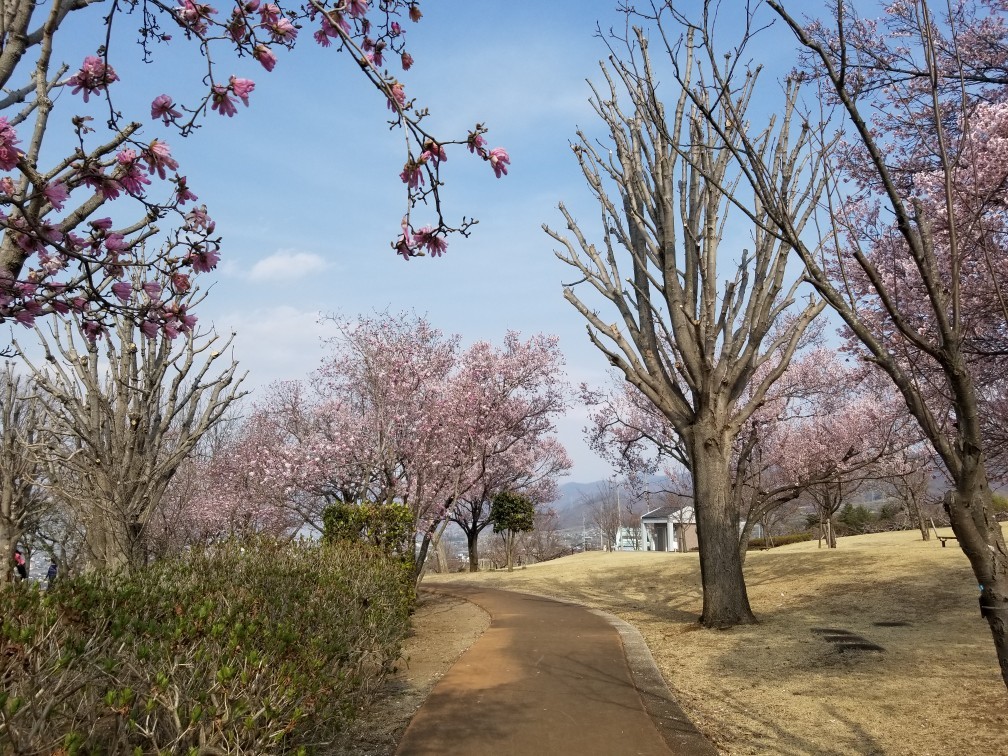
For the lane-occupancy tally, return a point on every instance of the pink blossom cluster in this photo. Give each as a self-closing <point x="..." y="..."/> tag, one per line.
<point x="93" y="76"/>
<point x="9" y="153"/>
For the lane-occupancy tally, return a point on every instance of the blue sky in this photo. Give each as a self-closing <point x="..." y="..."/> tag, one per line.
<point x="304" y="186"/>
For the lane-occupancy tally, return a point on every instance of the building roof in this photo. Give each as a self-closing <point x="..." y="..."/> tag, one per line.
<point x="675" y="511"/>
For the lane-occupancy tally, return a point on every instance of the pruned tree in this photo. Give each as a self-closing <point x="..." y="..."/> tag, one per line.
<point x="23" y="440"/>
<point x="692" y="346"/>
<point x="129" y="410"/>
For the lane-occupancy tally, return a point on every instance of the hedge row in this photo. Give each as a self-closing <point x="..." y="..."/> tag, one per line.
<point x="246" y="648"/>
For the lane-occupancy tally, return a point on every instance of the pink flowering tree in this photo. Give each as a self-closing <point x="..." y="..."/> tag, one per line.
<point x="396" y="414"/>
<point x="903" y="122"/>
<point x="221" y="491"/>
<point x="75" y="222"/>
<point x="507" y="399"/>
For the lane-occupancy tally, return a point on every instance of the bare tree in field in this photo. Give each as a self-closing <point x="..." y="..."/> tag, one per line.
<point x="702" y="346"/>
<point x="912" y="252"/>
<point x="604" y="510"/>
<point x="129" y="409"/>
<point x="22" y="463"/>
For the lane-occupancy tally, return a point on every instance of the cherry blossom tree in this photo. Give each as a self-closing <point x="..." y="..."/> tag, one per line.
<point x="130" y="412"/>
<point x="688" y="337"/>
<point x="396" y="414"/>
<point x="531" y="469"/>
<point x="905" y="120"/>
<point x="77" y="222"/>
<point x="508" y="400"/>
<point x="842" y="440"/>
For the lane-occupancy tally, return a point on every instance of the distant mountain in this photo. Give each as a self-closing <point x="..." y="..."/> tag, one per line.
<point x="574" y="497"/>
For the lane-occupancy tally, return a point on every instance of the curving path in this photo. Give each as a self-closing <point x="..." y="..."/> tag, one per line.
<point x="553" y="678"/>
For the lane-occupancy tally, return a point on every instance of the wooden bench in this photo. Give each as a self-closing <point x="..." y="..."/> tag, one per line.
<point x="940" y="537"/>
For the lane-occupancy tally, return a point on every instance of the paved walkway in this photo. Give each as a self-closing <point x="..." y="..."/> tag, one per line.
<point x="550" y="678"/>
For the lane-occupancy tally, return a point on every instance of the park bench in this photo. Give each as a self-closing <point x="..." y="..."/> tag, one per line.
<point x="940" y="537"/>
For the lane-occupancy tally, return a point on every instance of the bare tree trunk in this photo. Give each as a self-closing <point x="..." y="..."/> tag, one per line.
<point x="725" y="599"/>
<point x="980" y="538"/>
<point x="472" y="539"/>
<point x="917" y="515"/>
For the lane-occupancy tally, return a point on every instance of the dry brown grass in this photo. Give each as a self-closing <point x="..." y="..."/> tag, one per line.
<point x="779" y="687"/>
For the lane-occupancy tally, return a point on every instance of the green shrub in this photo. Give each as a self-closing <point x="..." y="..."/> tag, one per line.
<point x="388" y="526"/>
<point x="890" y="511"/>
<point x="854" y="519"/>
<point x="254" y="648"/>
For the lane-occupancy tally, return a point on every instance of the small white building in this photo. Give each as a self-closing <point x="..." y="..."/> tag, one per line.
<point x="669" y="528"/>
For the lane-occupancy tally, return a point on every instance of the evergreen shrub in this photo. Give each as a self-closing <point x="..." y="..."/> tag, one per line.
<point x="242" y="648"/>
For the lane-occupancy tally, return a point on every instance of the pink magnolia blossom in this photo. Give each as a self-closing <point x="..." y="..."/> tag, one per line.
<point x="93" y="330"/>
<point x="404" y="244"/>
<point x="221" y="101"/>
<point x="181" y="283"/>
<point x="499" y="161"/>
<point x="476" y="143"/>
<point x="399" y="95"/>
<point x="407" y="61"/>
<point x="412" y="174"/>
<point x="194" y="16"/>
<point x="197" y="218"/>
<point x="149" y="328"/>
<point x="123" y="290"/>
<point x="9" y="154"/>
<point x="265" y="57"/>
<point x="434" y="243"/>
<point x="357" y="8"/>
<point x="115" y="242"/>
<point x="182" y="192"/>
<point x="159" y="159"/>
<point x="433" y="152"/>
<point x="283" y="31"/>
<point x="57" y="193"/>
<point x="25" y="318"/>
<point x="164" y="108"/>
<point x="131" y="178"/>
<point x="94" y="76"/>
<point x="269" y="14"/>
<point x="203" y="260"/>
<point x="152" y="289"/>
<point x="237" y="27"/>
<point x="242" y="89"/>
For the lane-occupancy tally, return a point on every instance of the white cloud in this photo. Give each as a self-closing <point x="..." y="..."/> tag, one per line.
<point x="275" y="343"/>
<point x="287" y="265"/>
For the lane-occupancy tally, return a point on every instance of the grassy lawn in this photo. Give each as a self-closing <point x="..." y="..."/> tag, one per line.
<point x="792" y="684"/>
